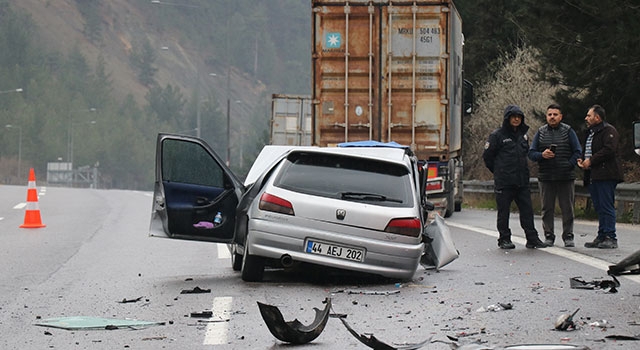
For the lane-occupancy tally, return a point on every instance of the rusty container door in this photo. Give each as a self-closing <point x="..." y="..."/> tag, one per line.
<point x="380" y="72"/>
<point x="345" y="71"/>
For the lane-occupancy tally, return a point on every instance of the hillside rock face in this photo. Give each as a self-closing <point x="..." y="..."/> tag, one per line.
<point x="124" y="24"/>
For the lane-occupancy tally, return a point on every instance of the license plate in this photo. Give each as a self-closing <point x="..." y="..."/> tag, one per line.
<point x="335" y="250"/>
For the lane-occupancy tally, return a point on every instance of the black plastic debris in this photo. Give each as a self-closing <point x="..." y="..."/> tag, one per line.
<point x="294" y="332"/>
<point x="623" y="337"/>
<point x="565" y="321"/>
<point x="196" y="290"/>
<point x="627" y="266"/>
<point x="367" y="292"/>
<point x="125" y="300"/>
<point x="576" y="283"/>
<point x="203" y="314"/>
<point x="371" y="341"/>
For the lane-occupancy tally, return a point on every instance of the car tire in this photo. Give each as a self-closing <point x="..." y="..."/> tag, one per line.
<point x="252" y="266"/>
<point x="236" y="258"/>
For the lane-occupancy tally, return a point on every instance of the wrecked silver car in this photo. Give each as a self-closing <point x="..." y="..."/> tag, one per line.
<point x="358" y="207"/>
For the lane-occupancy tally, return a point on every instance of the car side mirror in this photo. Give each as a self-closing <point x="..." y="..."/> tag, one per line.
<point x="428" y="206"/>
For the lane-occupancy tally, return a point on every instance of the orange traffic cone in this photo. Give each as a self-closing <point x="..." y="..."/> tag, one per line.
<point x="32" y="214"/>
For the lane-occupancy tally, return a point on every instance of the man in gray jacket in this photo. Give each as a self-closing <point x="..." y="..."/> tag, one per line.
<point x="556" y="148"/>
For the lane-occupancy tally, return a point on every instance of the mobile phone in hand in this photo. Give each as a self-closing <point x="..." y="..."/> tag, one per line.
<point x="552" y="147"/>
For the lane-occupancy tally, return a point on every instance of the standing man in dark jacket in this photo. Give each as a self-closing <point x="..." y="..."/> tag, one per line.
<point x="556" y="148"/>
<point x="602" y="173"/>
<point x="505" y="154"/>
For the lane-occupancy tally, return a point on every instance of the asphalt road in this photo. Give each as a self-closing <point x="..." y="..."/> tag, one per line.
<point x="94" y="254"/>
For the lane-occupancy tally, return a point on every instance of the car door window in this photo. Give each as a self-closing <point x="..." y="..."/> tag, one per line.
<point x="189" y="162"/>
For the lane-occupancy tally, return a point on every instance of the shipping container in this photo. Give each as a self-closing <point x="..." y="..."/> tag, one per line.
<point x="290" y="120"/>
<point x="392" y="71"/>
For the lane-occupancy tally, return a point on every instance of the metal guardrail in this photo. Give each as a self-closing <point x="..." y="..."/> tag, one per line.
<point x="625" y="193"/>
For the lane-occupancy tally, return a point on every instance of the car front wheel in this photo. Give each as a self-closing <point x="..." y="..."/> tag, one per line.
<point x="252" y="266"/>
<point x="236" y="258"/>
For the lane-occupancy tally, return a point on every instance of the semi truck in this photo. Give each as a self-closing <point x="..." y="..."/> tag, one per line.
<point x="386" y="70"/>
<point x="391" y="70"/>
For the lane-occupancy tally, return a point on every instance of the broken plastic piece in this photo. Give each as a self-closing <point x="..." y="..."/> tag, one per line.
<point x="371" y="341"/>
<point x="439" y="249"/>
<point x="88" y="322"/>
<point x="196" y="290"/>
<point x="125" y="300"/>
<point x="203" y="314"/>
<point x="576" y="283"/>
<point x="294" y="332"/>
<point x="629" y="265"/>
<point x="565" y="321"/>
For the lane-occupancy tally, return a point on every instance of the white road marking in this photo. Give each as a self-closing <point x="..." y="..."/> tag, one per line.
<point x="223" y="251"/>
<point x="20" y="206"/>
<point x="565" y="253"/>
<point x="217" y="332"/>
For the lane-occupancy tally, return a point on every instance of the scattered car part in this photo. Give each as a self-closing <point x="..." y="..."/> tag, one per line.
<point x="546" y="347"/>
<point x="565" y="321"/>
<point x="439" y="249"/>
<point x="629" y="265"/>
<point x="203" y="314"/>
<point x="196" y="290"/>
<point x="88" y="322"/>
<point x="576" y="283"/>
<point x="371" y="341"/>
<point x="294" y="332"/>
<point x="125" y="300"/>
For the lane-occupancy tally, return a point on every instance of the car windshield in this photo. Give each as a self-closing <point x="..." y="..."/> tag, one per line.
<point x="347" y="178"/>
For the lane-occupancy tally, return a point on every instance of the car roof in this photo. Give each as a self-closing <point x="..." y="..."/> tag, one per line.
<point x="272" y="153"/>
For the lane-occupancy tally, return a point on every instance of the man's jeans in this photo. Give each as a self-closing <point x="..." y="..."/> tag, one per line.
<point x="603" y="194"/>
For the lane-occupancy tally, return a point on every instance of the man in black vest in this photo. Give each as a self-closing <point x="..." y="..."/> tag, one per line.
<point x="556" y="148"/>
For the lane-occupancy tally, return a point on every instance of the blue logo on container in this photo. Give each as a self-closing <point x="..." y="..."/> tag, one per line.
<point x="332" y="40"/>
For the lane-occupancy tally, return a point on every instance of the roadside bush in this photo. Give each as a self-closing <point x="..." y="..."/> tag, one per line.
<point x="515" y="82"/>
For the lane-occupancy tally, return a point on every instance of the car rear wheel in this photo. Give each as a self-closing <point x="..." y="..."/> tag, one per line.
<point x="252" y="266"/>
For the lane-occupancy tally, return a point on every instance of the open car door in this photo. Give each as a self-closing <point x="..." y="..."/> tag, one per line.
<point x="195" y="194"/>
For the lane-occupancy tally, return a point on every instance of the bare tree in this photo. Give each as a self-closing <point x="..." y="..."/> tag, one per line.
<point x="516" y="82"/>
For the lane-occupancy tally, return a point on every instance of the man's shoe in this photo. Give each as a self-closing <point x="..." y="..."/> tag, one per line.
<point x="535" y="243"/>
<point x="594" y="243"/>
<point x="569" y="243"/>
<point x="548" y="242"/>
<point x="608" y="243"/>
<point x="506" y="244"/>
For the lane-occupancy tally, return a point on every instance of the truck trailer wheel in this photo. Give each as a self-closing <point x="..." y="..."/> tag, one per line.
<point x="450" y="205"/>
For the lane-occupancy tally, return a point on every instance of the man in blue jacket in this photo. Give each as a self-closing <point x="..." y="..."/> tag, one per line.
<point x="505" y="155"/>
<point x="556" y="148"/>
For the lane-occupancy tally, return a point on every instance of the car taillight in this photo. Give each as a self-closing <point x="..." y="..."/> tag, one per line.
<point x="270" y="202"/>
<point x="406" y="227"/>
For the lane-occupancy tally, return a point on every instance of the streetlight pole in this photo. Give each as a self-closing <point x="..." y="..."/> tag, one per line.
<point x="72" y="124"/>
<point x="70" y="133"/>
<point x="9" y="126"/>
<point x="10" y="91"/>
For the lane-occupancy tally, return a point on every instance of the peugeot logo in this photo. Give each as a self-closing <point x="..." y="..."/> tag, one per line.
<point x="340" y="214"/>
